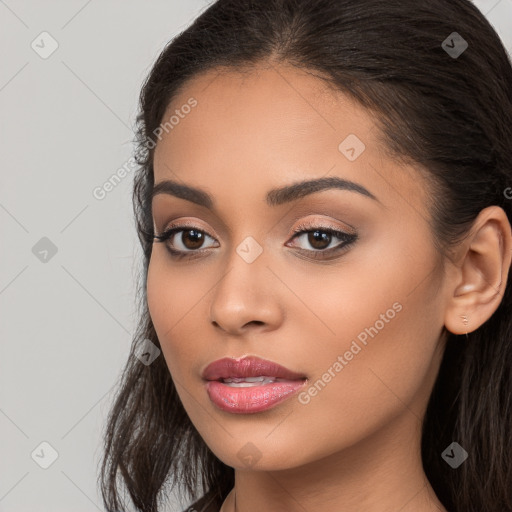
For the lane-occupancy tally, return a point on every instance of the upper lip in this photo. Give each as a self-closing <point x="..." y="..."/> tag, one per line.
<point x="247" y="366"/>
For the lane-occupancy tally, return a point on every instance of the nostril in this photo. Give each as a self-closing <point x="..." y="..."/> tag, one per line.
<point x="257" y="322"/>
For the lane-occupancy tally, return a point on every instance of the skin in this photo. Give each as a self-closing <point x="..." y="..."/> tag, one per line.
<point x="356" y="443"/>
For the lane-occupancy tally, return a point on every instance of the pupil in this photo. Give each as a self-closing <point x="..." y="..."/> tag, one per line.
<point x="195" y="236"/>
<point x="321" y="237"/>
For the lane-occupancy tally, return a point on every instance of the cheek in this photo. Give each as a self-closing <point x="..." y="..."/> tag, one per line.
<point x="167" y="301"/>
<point x="176" y="302"/>
<point x="390" y="375"/>
<point x="371" y="345"/>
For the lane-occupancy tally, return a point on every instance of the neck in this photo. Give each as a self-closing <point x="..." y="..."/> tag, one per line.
<point x="383" y="473"/>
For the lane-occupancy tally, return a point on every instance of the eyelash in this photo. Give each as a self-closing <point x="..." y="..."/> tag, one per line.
<point x="348" y="239"/>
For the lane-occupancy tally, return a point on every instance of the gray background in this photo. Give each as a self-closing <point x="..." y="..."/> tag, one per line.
<point x="66" y="318"/>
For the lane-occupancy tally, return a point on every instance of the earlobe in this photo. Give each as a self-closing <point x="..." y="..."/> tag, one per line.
<point x="481" y="272"/>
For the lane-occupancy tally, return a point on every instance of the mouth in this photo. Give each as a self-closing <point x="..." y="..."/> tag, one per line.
<point x="249" y="384"/>
<point x="248" y="368"/>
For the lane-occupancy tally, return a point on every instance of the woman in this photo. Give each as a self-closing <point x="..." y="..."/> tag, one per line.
<point x="324" y="205"/>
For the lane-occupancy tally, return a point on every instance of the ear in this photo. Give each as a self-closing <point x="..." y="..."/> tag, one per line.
<point x="480" y="272"/>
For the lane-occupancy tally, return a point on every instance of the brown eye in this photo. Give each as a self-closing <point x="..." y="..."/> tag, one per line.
<point x="192" y="238"/>
<point x="188" y="241"/>
<point x="319" y="239"/>
<point x="181" y="240"/>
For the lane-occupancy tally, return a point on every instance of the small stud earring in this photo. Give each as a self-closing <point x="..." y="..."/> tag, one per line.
<point x="465" y="322"/>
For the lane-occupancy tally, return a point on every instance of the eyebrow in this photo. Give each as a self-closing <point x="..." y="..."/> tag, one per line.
<point x="275" y="197"/>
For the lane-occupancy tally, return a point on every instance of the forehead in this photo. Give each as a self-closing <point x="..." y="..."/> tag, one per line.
<point x="281" y="106"/>
<point x="267" y="126"/>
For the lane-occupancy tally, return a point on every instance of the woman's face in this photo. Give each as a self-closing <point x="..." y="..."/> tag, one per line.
<point x="359" y="315"/>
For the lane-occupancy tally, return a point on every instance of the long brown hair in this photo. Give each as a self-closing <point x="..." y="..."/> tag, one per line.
<point x="452" y="114"/>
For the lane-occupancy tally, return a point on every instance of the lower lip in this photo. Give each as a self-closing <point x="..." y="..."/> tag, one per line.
<point x="246" y="400"/>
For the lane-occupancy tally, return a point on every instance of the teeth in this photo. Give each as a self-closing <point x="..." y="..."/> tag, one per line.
<point x="248" y="379"/>
<point x="246" y="382"/>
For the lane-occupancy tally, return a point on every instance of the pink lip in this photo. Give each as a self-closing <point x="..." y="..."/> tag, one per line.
<point x="247" y="366"/>
<point x="244" y="400"/>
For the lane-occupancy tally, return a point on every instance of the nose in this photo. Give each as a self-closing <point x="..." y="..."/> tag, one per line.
<point x="247" y="297"/>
